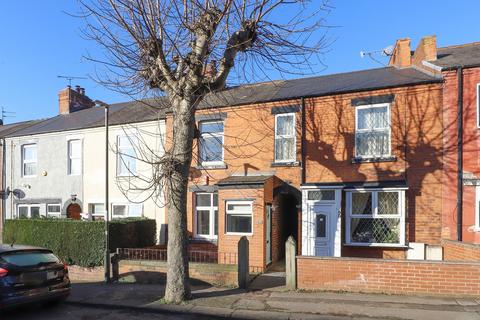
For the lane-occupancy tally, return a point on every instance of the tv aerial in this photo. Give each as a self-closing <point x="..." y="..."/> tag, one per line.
<point x="386" y="52"/>
<point x="6" y="114"/>
<point x="70" y="78"/>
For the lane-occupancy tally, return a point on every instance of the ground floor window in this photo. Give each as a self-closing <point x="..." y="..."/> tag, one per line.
<point x="28" y="211"/>
<point x="206" y="215"/>
<point x="238" y="217"/>
<point x="376" y="217"/>
<point x="97" y="210"/>
<point x="127" y="210"/>
<point x="54" y="210"/>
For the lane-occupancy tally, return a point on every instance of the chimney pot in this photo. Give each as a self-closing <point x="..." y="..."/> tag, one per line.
<point x="77" y="88"/>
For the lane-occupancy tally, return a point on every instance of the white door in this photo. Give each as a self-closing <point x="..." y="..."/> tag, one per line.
<point x="324" y="219"/>
<point x="268" y="242"/>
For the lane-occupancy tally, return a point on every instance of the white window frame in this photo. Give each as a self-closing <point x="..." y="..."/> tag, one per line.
<point x="120" y="154"/>
<point x="227" y="212"/>
<point x="212" y="208"/>
<point x="478" y="107"/>
<point x="54" y="214"/>
<point x="389" y="129"/>
<point x="401" y="215"/>
<point x="24" y="161"/>
<point x="277" y="136"/>
<point x="70" y="158"/>
<point x="29" y="206"/>
<point x="477" y="209"/>
<point x="127" y="205"/>
<point x="211" y="135"/>
<point x="90" y="209"/>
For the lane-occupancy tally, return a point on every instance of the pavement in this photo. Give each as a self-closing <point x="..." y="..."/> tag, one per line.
<point x="267" y="298"/>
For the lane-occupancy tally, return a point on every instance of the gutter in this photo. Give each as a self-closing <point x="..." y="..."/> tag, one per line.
<point x="460" y="153"/>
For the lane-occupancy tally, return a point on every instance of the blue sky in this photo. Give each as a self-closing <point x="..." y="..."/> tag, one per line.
<point x="38" y="41"/>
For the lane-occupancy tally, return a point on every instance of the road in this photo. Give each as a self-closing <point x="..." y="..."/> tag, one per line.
<point x="70" y="312"/>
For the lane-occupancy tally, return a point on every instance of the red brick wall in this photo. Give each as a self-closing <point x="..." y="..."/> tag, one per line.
<point x="471" y="153"/>
<point x="153" y="271"/>
<point x="389" y="276"/>
<point x="459" y="251"/>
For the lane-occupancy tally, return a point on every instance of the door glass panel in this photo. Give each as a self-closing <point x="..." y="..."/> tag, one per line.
<point x="321" y="226"/>
<point x="204" y="200"/>
<point x="203" y="222"/>
<point x="326" y="195"/>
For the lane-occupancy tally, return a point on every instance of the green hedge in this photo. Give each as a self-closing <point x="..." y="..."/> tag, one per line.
<point x="80" y="242"/>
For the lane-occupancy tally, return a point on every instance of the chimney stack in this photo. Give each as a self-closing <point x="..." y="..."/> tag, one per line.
<point x="70" y="100"/>
<point x="402" y="55"/>
<point x="426" y="51"/>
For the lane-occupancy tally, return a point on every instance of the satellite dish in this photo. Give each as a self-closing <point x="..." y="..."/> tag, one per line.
<point x="362" y="54"/>
<point x="388" y="51"/>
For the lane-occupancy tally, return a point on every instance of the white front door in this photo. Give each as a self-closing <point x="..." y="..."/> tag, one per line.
<point x="323" y="217"/>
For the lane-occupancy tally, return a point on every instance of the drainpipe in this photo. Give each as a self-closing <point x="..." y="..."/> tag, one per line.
<point x="4" y="188"/>
<point x="302" y="145"/>
<point x="460" y="154"/>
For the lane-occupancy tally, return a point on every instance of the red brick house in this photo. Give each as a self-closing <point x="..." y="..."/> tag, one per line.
<point x="349" y="164"/>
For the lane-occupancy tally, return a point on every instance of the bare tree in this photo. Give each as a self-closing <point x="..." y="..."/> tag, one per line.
<point x="172" y="47"/>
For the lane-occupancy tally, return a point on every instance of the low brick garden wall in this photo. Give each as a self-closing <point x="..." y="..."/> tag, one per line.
<point x="438" y="278"/>
<point x="81" y="274"/>
<point x="460" y="251"/>
<point x="155" y="271"/>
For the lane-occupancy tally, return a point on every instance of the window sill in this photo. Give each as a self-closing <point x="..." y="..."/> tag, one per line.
<point x="200" y="239"/>
<point x="374" y="159"/>
<point x="217" y="166"/>
<point x="286" y="164"/>
<point x="377" y="245"/>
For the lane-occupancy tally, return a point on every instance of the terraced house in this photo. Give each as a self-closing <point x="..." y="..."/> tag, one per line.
<point x="379" y="163"/>
<point x="56" y="167"/>
<point x="349" y="164"/>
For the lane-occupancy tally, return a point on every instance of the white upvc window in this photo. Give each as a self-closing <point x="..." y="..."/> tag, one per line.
<point x="29" y="160"/>
<point x="239" y="217"/>
<point x="211" y="142"/>
<point x="376" y="217"/>
<point x="54" y="210"/>
<point x="127" y="210"/>
<point x="74" y="157"/>
<point x="372" y="131"/>
<point x="477" y="208"/>
<point x="206" y="215"/>
<point x="478" y="105"/>
<point x="285" y="137"/>
<point x="127" y="156"/>
<point x="28" y="211"/>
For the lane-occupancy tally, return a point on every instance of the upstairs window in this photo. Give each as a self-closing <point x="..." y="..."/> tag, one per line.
<point x="211" y="142"/>
<point x="372" y="131"/>
<point x="29" y="160"/>
<point x="126" y="157"/>
<point x="478" y="105"/>
<point x="285" y="138"/>
<point x="376" y="218"/>
<point x="74" y="157"/>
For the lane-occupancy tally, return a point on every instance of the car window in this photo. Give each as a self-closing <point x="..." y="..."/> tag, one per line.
<point x="28" y="258"/>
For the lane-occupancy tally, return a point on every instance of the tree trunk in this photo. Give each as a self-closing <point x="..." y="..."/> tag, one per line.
<point x="178" y="287"/>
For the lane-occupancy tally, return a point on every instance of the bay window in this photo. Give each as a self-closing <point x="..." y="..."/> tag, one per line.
<point x="372" y="131"/>
<point x="285" y="138"/>
<point x="239" y="216"/>
<point x="376" y="217"/>
<point x="28" y="211"/>
<point x="206" y="215"/>
<point x="211" y="142"/>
